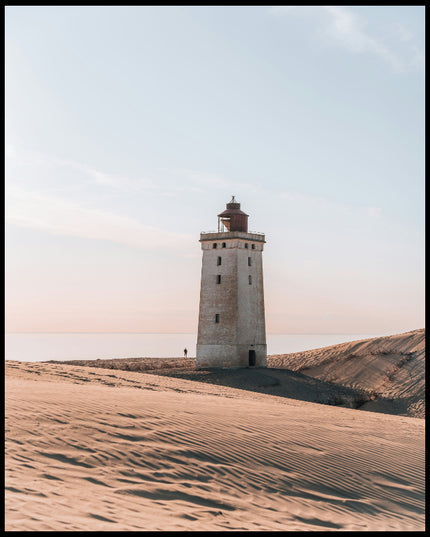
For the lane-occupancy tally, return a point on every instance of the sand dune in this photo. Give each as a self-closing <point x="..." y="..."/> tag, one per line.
<point x="391" y="369"/>
<point x="92" y="449"/>
<point x="384" y="374"/>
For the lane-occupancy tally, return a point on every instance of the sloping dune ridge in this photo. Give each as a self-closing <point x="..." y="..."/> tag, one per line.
<point x="391" y="369"/>
<point x="91" y="449"/>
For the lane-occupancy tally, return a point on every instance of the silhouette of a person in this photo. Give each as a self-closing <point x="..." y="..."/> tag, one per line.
<point x="185" y="352"/>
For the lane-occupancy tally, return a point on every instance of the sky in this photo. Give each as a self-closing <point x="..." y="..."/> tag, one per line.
<point x="128" y="129"/>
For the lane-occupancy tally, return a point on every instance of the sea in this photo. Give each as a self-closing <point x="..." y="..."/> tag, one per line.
<point x="39" y="347"/>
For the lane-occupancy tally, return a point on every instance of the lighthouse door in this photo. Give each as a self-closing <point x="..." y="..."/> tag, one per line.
<point x="251" y="360"/>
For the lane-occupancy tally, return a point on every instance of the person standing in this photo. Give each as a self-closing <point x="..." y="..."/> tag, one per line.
<point x="185" y="352"/>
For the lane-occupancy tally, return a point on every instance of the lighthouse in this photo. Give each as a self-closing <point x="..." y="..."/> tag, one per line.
<point x="232" y="331"/>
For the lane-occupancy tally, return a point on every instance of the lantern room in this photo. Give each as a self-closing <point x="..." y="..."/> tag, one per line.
<point x="233" y="219"/>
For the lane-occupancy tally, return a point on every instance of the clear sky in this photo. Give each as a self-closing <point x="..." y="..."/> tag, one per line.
<point x="128" y="129"/>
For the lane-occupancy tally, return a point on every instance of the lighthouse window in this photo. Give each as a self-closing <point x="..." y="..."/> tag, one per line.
<point x="250" y="280"/>
<point x="223" y="244"/>
<point x="246" y="245"/>
<point x="249" y="261"/>
<point x="218" y="261"/>
<point x="217" y="317"/>
<point x="214" y="245"/>
<point x="253" y="246"/>
<point x="218" y="278"/>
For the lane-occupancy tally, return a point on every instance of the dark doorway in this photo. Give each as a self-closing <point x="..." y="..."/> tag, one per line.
<point x="252" y="358"/>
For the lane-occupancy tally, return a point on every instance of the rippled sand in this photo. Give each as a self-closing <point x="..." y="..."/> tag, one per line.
<point x="391" y="369"/>
<point x="93" y="449"/>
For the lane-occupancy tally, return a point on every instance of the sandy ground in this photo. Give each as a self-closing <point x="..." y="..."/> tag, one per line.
<point x="90" y="449"/>
<point x="385" y="374"/>
<point x="390" y="369"/>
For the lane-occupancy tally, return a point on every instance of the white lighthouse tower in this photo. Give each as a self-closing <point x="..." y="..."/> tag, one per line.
<point x="232" y="331"/>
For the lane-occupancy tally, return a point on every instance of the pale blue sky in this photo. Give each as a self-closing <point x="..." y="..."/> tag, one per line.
<point x="129" y="128"/>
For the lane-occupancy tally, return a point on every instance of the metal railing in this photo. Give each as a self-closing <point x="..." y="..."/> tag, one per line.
<point x="252" y="232"/>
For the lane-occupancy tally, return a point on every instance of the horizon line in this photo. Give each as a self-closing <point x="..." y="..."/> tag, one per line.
<point x="195" y="333"/>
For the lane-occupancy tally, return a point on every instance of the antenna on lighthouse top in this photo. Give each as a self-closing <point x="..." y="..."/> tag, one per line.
<point x="233" y="204"/>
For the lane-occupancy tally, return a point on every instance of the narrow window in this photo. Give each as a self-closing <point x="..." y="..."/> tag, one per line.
<point x="218" y="278"/>
<point x="217" y="317"/>
<point x="250" y="279"/>
<point x="223" y="244"/>
<point x="249" y="261"/>
<point x="246" y="245"/>
<point x="253" y="246"/>
<point x="214" y="245"/>
<point x="218" y="261"/>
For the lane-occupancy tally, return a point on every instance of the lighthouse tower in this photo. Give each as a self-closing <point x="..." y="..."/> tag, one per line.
<point x="232" y="330"/>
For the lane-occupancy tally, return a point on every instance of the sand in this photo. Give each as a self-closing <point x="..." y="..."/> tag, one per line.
<point x="390" y="369"/>
<point x="385" y="374"/>
<point x="91" y="449"/>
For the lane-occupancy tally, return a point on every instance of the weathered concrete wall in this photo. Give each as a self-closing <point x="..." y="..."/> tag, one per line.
<point x="229" y="355"/>
<point x="239" y="303"/>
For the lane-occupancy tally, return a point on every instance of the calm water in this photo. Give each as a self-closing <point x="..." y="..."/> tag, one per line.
<point x="40" y="347"/>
